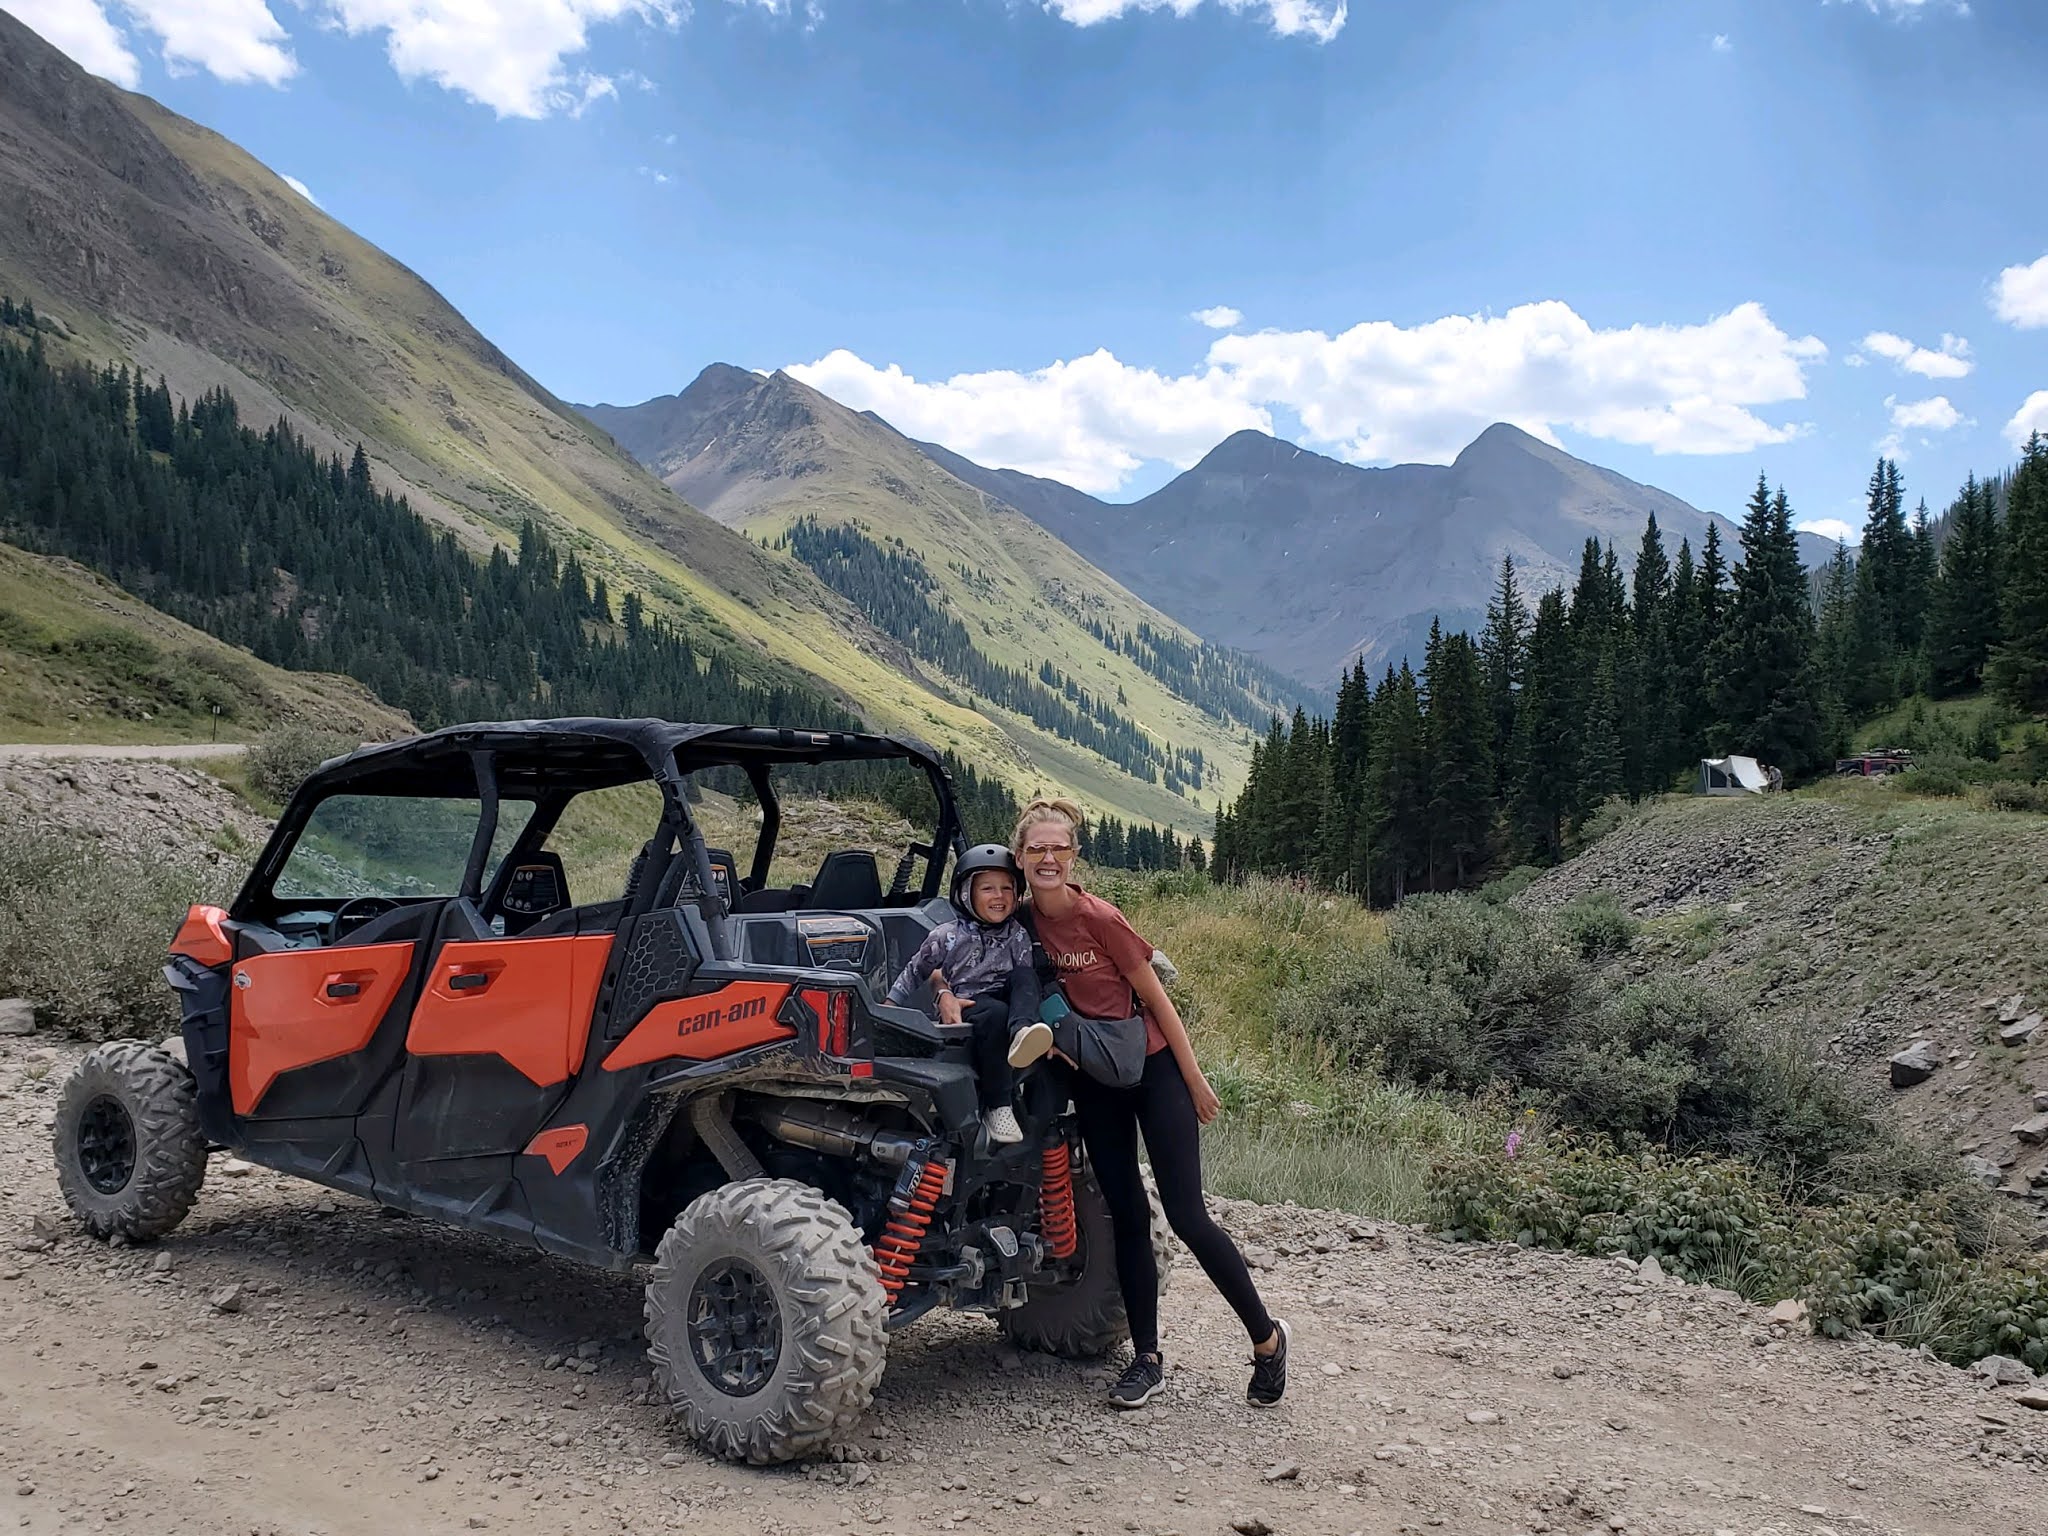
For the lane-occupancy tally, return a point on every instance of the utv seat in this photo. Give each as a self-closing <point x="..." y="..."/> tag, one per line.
<point x="849" y="879"/>
<point x="597" y="917"/>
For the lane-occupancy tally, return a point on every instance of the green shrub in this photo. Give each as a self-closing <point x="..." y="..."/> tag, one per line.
<point x="1610" y="815"/>
<point x="1895" y="1266"/>
<point x="1937" y="780"/>
<point x="286" y="754"/>
<point x="1467" y="994"/>
<point x="1598" y="924"/>
<point x="84" y="931"/>
<point x="1503" y="889"/>
<point x="2010" y="795"/>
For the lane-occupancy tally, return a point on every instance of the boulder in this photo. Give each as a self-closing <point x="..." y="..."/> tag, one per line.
<point x="1788" y="1313"/>
<point x="17" y="1017"/>
<point x="1915" y="1064"/>
<point x="2004" y="1371"/>
<point x="2021" y="1033"/>
<point x="1984" y="1171"/>
<point x="2034" y="1130"/>
<point x="2014" y="1007"/>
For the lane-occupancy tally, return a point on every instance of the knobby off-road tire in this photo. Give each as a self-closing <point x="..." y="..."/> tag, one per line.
<point x="130" y="1154"/>
<point x="1084" y="1318"/>
<point x="765" y="1320"/>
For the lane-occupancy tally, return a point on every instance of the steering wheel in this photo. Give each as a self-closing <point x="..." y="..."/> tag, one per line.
<point x="358" y="910"/>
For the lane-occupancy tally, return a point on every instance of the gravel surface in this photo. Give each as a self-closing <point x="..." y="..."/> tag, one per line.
<point x="294" y="1362"/>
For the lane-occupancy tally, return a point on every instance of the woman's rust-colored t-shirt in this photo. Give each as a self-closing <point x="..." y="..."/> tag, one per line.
<point x="1092" y="946"/>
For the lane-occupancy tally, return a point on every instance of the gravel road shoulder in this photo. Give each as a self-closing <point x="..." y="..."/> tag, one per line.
<point x="293" y="1362"/>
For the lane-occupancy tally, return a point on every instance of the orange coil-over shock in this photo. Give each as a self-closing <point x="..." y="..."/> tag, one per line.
<point x="1056" y="1201"/>
<point x="910" y="1217"/>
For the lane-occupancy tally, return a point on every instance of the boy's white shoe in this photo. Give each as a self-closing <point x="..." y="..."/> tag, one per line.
<point x="1030" y="1043"/>
<point x="1002" y="1125"/>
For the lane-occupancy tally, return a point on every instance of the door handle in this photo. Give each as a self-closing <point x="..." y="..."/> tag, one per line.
<point x="469" y="981"/>
<point x="344" y="988"/>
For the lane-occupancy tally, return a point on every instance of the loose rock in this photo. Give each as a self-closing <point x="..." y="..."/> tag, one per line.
<point x="17" y="1016"/>
<point x="1915" y="1064"/>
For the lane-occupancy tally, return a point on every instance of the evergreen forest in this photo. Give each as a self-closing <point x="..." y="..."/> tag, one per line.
<point x="1501" y="748"/>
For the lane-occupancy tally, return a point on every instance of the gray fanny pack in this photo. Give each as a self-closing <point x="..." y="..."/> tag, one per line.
<point x="1112" y="1051"/>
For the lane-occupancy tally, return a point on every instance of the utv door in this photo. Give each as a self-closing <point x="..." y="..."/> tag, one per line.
<point x="326" y="976"/>
<point x="498" y="1034"/>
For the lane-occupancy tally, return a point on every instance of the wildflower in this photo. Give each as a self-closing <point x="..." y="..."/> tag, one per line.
<point x="1514" y="1143"/>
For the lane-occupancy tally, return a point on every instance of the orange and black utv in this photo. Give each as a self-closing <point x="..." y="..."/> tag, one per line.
<point x="697" y="1072"/>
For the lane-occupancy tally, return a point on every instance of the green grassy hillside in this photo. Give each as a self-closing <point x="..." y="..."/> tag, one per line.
<point x="151" y="239"/>
<point x="81" y="660"/>
<point x="784" y="453"/>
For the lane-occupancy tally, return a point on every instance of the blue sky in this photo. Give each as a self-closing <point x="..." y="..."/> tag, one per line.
<point x="1690" y="240"/>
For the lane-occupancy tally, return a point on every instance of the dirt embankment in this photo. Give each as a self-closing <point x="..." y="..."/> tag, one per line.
<point x="1874" y="920"/>
<point x="294" y="1362"/>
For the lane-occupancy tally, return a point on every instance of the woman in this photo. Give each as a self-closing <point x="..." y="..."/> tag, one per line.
<point x="1106" y="973"/>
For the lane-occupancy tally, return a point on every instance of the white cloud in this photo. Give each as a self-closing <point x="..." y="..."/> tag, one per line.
<point x="1721" y="44"/>
<point x="1830" y="528"/>
<point x="1221" y="318"/>
<point x="1930" y="415"/>
<point x="1381" y="391"/>
<point x="301" y="188"/>
<point x="2021" y="295"/>
<point x="507" y="55"/>
<point x="2030" y="418"/>
<point x="1908" y="10"/>
<point x="238" y="41"/>
<point x="1318" y="19"/>
<point x="1855" y="360"/>
<point x="1090" y="422"/>
<point x="1951" y="361"/>
<point x="81" y="29"/>
<point x="1376" y="392"/>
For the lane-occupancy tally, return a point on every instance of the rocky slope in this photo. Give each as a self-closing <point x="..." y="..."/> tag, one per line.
<point x="294" y="1361"/>
<point x="1876" y="921"/>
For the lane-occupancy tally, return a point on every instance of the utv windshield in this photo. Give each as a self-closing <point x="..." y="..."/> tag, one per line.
<point x="399" y="846"/>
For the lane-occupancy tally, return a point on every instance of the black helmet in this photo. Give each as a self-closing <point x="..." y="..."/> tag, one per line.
<point x="976" y="859"/>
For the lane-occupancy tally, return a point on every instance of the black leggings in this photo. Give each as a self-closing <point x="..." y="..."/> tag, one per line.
<point x="1160" y="1106"/>
<point x="989" y="1017"/>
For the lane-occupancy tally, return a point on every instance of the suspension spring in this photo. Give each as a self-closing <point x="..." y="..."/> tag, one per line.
<point x="1056" y="1201"/>
<point x="910" y="1217"/>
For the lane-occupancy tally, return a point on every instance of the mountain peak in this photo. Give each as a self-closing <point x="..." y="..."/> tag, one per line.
<point x="1503" y="438"/>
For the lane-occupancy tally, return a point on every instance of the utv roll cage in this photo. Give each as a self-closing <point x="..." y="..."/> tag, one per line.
<point x="547" y="763"/>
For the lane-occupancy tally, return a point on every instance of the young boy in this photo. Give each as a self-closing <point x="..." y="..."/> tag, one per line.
<point x="979" y="966"/>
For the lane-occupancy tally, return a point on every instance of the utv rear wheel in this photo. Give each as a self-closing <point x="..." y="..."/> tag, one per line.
<point x="1084" y="1317"/>
<point x="130" y="1154"/>
<point x="766" y="1320"/>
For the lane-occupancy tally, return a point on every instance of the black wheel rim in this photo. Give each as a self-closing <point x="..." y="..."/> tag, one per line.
<point x="735" y="1327"/>
<point x="106" y="1145"/>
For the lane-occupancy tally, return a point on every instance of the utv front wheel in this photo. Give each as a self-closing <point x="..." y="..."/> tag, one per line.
<point x="765" y="1320"/>
<point x="130" y="1154"/>
<point x="1083" y="1317"/>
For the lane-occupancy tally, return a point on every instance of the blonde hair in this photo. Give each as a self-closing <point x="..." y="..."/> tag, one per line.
<point x="1044" y="810"/>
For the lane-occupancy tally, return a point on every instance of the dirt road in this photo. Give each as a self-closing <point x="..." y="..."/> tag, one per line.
<point x="291" y="1363"/>
<point x="179" y="753"/>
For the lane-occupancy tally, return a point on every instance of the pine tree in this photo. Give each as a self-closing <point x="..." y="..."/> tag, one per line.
<point x="1503" y="653"/>
<point x="1598" y="771"/>
<point x="1395" y="793"/>
<point x="1459" y="744"/>
<point x="1644" y="696"/>
<point x="2018" y="669"/>
<point x="1834" y="646"/>
<point x="1546" y="758"/>
<point x="1765" y="685"/>
<point x="1963" y="616"/>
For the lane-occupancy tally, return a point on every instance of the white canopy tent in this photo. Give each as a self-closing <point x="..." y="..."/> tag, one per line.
<point x="1732" y="776"/>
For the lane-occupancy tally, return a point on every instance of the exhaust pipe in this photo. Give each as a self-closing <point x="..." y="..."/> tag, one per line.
<point x="832" y="1131"/>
